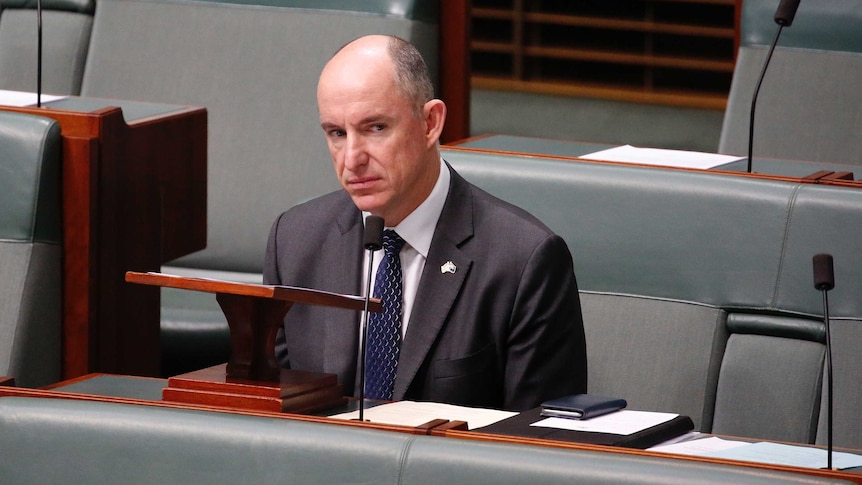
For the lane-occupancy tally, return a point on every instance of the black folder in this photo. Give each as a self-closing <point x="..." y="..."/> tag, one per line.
<point x="519" y="425"/>
<point x="581" y="406"/>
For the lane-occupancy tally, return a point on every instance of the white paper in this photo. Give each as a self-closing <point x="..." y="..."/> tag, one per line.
<point x="698" y="447"/>
<point x="411" y="413"/>
<point x="20" y="98"/>
<point x="623" y="422"/>
<point x="781" y="454"/>
<point x="691" y="435"/>
<point x="659" y="156"/>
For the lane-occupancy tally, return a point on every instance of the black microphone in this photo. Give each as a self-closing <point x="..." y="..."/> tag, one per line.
<point x="785" y="12"/>
<point x="824" y="280"/>
<point x="373" y="242"/>
<point x="824" y="276"/>
<point x="783" y="17"/>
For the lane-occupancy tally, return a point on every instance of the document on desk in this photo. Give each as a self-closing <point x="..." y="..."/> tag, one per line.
<point x="664" y="157"/>
<point x="412" y="413"/>
<point x="698" y="447"/>
<point x="21" y="98"/>
<point x="623" y="422"/>
<point x="761" y="452"/>
<point x="781" y="454"/>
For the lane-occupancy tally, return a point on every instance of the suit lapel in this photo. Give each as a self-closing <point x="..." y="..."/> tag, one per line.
<point x="343" y="328"/>
<point x="438" y="288"/>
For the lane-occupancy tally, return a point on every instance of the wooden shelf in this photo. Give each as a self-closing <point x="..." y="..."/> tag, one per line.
<point x="678" y="52"/>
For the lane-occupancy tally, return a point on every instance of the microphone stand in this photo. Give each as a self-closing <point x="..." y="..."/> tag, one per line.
<point x="824" y="280"/>
<point x="828" y="380"/>
<point x="784" y="18"/>
<point x="39" y="54"/>
<point x="754" y="98"/>
<point x="373" y="242"/>
<point x="362" y="345"/>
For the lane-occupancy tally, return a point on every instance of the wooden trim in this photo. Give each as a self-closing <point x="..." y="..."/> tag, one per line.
<point x="632" y="25"/>
<point x="616" y="57"/>
<point x="454" y="67"/>
<point x="726" y="173"/>
<point x="679" y="98"/>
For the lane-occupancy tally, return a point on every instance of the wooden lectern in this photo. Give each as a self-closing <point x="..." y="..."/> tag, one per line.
<point x="252" y="379"/>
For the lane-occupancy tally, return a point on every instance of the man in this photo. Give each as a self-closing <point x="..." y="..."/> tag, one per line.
<point x="490" y="314"/>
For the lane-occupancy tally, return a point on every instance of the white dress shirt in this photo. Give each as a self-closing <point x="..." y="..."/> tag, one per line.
<point x="417" y="230"/>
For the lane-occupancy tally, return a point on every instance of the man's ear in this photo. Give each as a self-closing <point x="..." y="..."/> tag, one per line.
<point x="435" y="117"/>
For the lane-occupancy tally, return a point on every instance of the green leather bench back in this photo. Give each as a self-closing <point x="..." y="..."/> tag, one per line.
<point x="808" y="107"/>
<point x="720" y="240"/>
<point x="30" y="252"/>
<point x="66" y="28"/>
<point x="53" y="440"/>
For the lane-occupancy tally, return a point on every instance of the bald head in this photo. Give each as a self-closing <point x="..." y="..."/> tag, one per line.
<point x="372" y="53"/>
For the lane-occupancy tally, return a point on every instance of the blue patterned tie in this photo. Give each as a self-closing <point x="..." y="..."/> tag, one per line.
<point x="384" y="328"/>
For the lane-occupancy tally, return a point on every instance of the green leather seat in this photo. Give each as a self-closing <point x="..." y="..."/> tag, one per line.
<point x="66" y="26"/>
<point x="809" y="107"/>
<point x="30" y="251"/>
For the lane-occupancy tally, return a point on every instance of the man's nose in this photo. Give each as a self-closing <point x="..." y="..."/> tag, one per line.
<point x="355" y="153"/>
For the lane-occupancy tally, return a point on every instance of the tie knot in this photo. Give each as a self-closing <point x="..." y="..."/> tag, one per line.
<point x="392" y="242"/>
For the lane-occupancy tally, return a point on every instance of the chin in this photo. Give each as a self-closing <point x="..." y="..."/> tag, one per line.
<point x="365" y="204"/>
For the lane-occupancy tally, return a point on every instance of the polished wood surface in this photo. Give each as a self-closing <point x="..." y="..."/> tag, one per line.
<point x="454" y="68"/>
<point x="292" y="294"/>
<point x="134" y="197"/>
<point x="254" y="314"/>
<point x="295" y="391"/>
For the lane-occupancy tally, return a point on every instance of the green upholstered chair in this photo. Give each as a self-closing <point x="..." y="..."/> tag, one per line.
<point x="30" y="251"/>
<point x="809" y="106"/>
<point x="66" y="26"/>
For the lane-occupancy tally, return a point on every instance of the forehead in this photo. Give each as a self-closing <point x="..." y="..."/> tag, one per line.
<point x="358" y="97"/>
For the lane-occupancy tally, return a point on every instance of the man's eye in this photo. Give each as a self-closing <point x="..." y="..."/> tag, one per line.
<point x="336" y="133"/>
<point x="378" y="127"/>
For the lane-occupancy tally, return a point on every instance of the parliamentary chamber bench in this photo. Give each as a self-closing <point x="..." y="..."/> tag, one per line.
<point x="697" y="287"/>
<point x="58" y="440"/>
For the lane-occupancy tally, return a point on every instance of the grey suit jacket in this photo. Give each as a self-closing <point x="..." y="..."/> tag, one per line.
<point x="503" y="331"/>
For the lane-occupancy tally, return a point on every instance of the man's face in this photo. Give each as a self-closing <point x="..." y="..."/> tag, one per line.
<point x="377" y="141"/>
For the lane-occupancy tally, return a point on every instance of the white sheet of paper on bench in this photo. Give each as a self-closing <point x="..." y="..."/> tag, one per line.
<point x="782" y="454"/>
<point x="664" y="157"/>
<point x="411" y="413"/>
<point x="699" y="446"/>
<point x="624" y="422"/>
<point x="21" y="98"/>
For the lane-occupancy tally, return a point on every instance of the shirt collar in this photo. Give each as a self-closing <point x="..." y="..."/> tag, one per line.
<point x="417" y="229"/>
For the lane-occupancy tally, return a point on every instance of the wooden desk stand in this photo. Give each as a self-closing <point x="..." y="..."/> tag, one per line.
<point x="134" y="196"/>
<point x="252" y="379"/>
